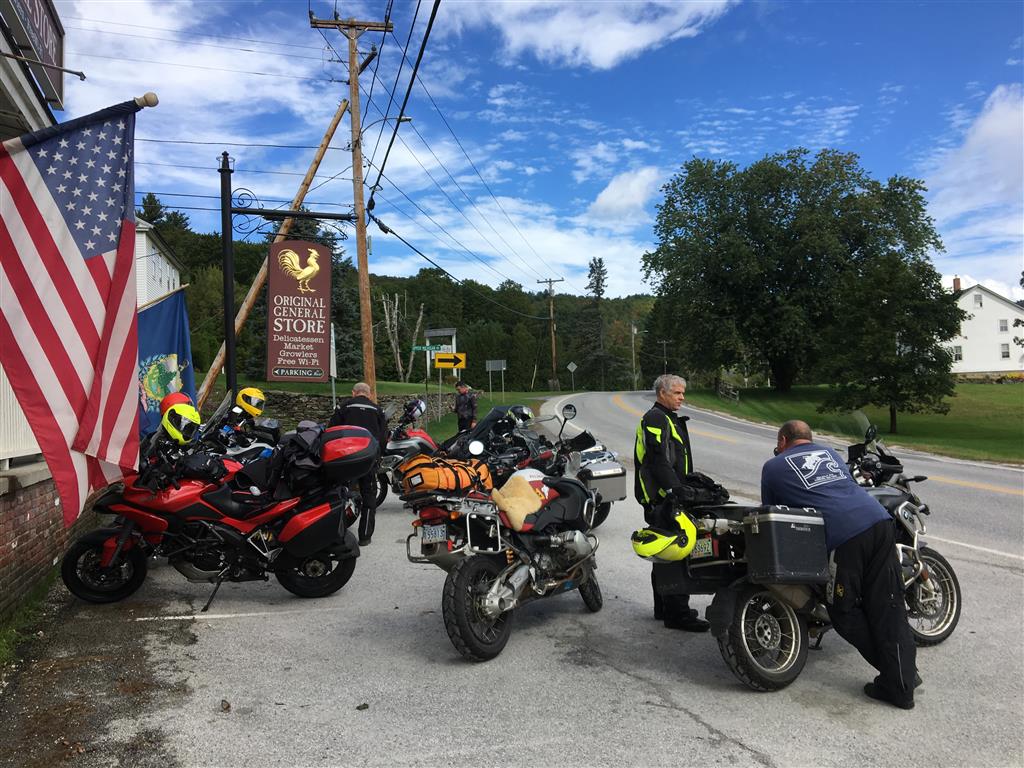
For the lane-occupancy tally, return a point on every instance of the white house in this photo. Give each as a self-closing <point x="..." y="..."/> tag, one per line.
<point x="985" y="344"/>
<point x="157" y="272"/>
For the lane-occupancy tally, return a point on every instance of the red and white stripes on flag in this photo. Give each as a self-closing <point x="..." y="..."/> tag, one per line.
<point x="68" y="338"/>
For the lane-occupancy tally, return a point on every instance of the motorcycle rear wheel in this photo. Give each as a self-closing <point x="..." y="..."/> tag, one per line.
<point x="934" y="616"/>
<point x="590" y="591"/>
<point x="601" y="513"/>
<point x="382" y="487"/>
<point x="473" y="634"/>
<point x="87" y="579"/>
<point x="766" y="643"/>
<point x="319" y="575"/>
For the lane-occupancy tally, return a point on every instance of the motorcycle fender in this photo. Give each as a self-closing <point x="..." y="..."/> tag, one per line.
<point x="721" y="611"/>
<point x="312" y="530"/>
<point x="347" y="548"/>
<point x="108" y="537"/>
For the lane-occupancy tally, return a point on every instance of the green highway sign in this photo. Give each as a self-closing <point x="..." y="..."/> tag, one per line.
<point x="427" y="348"/>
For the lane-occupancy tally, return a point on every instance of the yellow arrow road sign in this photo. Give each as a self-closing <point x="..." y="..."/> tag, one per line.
<point x="450" y="360"/>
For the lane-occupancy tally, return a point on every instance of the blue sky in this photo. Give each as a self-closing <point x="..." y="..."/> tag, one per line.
<point x="566" y="118"/>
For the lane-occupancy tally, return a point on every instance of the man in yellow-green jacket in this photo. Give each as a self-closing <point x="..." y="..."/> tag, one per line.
<point x="662" y="458"/>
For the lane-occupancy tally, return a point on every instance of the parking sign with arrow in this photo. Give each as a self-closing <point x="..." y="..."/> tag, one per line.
<point x="450" y="360"/>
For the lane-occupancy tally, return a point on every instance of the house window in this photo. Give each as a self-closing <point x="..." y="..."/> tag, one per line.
<point x="1004" y="326"/>
<point x="977" y="299"/>
<point x="958" y="354"/>
<point x="1004" y="351"/>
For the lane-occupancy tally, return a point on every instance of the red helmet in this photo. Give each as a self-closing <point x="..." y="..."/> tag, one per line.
<point x="174" y="399"/>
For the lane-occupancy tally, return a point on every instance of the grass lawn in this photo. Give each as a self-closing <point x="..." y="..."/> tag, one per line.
<point x="13" y="631"/>
<point x="985" y="421"/>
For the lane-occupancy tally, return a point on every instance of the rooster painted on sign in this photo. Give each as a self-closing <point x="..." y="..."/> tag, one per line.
<point x="291" y="264"/>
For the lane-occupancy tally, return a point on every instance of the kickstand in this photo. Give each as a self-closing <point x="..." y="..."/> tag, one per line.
<point x="817" y="640"/>
<point x="220" y="580"/>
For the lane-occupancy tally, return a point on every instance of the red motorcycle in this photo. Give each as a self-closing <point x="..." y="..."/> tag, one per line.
<point x="215" y="520"/>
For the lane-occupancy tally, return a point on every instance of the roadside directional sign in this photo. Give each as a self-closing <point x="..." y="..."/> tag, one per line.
<point x="427" y="348"/>
<point x="450" y="360"/>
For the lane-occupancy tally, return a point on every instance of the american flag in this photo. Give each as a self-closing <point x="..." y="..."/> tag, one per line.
<point x="67" y="296"/>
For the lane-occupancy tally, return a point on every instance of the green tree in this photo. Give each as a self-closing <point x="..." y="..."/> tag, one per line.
<point x="751" y="261"/>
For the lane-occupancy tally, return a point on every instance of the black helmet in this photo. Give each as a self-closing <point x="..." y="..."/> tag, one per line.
<point x="521" y="414"/>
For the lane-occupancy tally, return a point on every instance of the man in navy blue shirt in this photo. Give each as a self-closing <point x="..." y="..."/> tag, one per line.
<point x="867" y="606"/>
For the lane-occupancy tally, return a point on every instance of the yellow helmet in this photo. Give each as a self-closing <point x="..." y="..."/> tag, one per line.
<point x="667" y="546"/>
<point x="251" y="400"/>
<point x="181" y="423"/>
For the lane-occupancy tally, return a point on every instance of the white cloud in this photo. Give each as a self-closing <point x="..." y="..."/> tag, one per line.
<point x="594" y="160"/>
<point x="623" y="204"/>
<point x="588" y="34"/>
<point x="977" y="192"/>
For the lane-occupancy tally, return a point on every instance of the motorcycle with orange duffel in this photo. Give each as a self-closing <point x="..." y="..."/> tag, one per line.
<point x="501" y="548"/>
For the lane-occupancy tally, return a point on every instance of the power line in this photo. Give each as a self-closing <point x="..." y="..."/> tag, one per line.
<point x="217" y="197"/>
<point x="233" y="144"/>
<point x="174" y="31"/>
<point x="405" y="101"/>
<point x="236" y="169"/>
<point x="199" y="66"/>
<point x="484" y="182"/>
<point x="388" y="231"/>
<point x="188" y="42"/>
<point x="391" y="91"/>
<point x="441" y="227"/>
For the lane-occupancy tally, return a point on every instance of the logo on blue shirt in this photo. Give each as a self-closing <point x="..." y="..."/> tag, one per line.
<point x="814" y="468"/>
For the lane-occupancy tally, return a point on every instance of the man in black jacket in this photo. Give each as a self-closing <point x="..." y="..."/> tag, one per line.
<point x="360" y="411"/>
<point x="662" y="458"/>
<point x="465" y="406"/>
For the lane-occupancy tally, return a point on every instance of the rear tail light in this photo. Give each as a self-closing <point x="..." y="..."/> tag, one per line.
<point x="428" y="514"/>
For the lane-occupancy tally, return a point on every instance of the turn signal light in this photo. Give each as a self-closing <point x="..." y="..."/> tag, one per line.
<point x="417" y="523"/>
<point x="454" y="514"/>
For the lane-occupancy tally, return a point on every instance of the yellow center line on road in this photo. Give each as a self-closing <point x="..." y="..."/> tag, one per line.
<point x="979" y="486"/>
<point x="617" y="399"/>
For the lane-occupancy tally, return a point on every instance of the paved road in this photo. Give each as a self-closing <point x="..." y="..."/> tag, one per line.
<point x="266" y="679"/>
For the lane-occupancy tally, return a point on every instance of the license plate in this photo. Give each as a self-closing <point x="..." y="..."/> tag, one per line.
<point x="705" y="547"/>
<point x="432" y="534"/>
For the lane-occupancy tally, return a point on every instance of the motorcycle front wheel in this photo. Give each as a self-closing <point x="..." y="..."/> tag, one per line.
<point x="87" y="579"/>
<point x="382" y="487"/>
<point x="766" y="643"/>
<point x="476" y="636"/>
<point x="319" y="575"/>
<point x="933" y="607"/>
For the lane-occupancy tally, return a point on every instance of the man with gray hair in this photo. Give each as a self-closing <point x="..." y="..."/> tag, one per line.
<point x="360" y="411"/>
<point x="661" y="460"/>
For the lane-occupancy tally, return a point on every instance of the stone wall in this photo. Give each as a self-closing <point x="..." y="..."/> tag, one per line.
<point x="290" y="408"/>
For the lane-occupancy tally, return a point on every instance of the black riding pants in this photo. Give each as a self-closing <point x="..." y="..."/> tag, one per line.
<point x="368" y="493"/>
<point x="868" y="608"/>
<point x="675" y="606"/>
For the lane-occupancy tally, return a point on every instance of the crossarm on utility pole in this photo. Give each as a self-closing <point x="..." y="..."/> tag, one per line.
<point x="261" y="277"/>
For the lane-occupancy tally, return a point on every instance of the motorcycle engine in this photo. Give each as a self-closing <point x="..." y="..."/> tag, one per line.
<point x="212" y="550"/>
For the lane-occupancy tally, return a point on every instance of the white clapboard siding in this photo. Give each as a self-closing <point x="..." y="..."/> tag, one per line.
<point x="16" y="438"/>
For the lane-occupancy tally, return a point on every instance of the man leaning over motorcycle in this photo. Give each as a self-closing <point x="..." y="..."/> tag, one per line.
<point x="866" y="602"/>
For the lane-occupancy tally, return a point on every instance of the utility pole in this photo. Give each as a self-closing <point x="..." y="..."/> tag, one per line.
<point x="551" y="315"/>
<point x="353" y="29"/>
<point x="664" y="355"/>
<point x="632" y="348"/>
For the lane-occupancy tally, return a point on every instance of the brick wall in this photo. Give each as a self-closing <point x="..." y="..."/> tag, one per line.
<point x="32" y="538"/>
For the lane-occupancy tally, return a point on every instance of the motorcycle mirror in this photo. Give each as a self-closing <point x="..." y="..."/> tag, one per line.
<point x="476" y="447"/>
<point x="569" y="412"/>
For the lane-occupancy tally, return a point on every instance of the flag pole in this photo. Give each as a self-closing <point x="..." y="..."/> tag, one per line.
<point x="168" y="295"/>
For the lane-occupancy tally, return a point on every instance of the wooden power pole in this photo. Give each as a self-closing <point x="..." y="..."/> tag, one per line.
<point x="353" y="29"/>
<point x="551" y="314"/>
